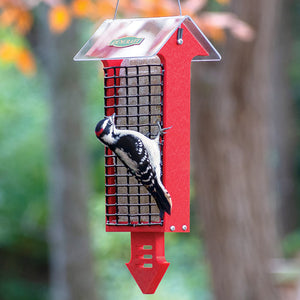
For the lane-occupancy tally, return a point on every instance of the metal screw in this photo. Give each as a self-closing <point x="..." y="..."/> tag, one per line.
<point x="184" y="227"/>
<point x="180" y="41"/>
<point x="172" y="228"/>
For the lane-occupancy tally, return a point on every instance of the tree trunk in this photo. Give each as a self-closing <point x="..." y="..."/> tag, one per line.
<point x="231" y="150"/>
<point x="284" y="125"/>
<point x="70" y="257"/>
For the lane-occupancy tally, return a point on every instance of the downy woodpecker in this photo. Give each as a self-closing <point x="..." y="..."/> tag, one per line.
<point x="141" y="156"/>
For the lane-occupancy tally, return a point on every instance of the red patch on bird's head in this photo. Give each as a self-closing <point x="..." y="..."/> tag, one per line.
<point x="99" y="132"/>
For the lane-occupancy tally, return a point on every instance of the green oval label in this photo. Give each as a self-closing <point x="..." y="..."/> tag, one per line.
<point x="126" y="41"/>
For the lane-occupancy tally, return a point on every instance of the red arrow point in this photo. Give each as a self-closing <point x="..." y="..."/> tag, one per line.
<point x="148" y="264"/>
<point x="148" y="278"/>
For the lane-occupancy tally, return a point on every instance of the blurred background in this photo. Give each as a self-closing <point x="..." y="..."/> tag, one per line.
<point x="245" y="204"/>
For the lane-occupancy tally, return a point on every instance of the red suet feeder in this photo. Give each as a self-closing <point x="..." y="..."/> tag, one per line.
<point x="147" y="70"/>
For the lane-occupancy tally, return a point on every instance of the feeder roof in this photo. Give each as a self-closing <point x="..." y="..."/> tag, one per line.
<point x="137" y="38"/>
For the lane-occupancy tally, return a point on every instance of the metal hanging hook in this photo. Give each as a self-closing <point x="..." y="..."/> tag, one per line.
<point x="179" y="5"/>
<point x="117" y="9"/>
<point x="117" y="5"/>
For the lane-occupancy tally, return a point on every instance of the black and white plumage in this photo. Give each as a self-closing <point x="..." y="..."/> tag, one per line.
<point x="140" y="154"/>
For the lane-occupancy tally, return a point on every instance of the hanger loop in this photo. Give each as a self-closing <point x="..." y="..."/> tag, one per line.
<point x="179" y="5"/>
<point x="116" y="9"/>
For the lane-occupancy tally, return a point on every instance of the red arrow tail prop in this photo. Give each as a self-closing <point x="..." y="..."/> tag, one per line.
<point x="148" y="264"/>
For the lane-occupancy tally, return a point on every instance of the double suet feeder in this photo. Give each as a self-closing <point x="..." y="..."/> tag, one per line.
<point x="147" y="70"/>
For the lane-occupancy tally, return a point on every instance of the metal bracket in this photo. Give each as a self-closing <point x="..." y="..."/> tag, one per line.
<point x="179" y="36"/>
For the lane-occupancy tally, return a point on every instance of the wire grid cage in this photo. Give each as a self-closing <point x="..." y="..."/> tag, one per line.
<point x="134" y="92"/>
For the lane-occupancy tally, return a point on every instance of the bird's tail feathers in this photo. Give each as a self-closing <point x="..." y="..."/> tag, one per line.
<point x="162" y="197"/>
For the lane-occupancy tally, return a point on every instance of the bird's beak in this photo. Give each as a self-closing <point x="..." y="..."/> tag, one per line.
<point x="112" y="118"/>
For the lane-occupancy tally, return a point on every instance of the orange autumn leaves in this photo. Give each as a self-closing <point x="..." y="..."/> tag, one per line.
<point x="60" y="16"/>
<point x="82" y="8"/>
<point x="16" y="15"/>
<point x="18" y="56"/>
<point x="214" y="24"/>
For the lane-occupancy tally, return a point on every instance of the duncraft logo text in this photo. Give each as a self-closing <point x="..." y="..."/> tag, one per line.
<point x="126" y="41"/>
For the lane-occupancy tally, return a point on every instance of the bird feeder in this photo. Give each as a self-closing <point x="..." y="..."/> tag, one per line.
<point x="147" y="70"/>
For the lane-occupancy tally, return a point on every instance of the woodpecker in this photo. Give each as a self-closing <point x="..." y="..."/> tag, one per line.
<point x="141" y="156"/>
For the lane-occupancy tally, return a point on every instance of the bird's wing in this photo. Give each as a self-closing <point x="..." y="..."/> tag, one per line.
<point x="135" y="157"/>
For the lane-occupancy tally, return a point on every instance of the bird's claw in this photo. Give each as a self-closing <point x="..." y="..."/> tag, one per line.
<point x="161" y="131"/>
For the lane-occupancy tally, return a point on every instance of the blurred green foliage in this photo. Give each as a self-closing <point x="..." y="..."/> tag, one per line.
<point x="291" y="244"/>
<point x="23" y="152"/>
<point x="24" y="117"/>
<point x="24" y="272"/>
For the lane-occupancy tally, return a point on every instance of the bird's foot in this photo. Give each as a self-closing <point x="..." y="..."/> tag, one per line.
<point x="161" y="131"/>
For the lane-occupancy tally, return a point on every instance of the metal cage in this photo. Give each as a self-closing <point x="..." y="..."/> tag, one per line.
<point x="135" y="94"/>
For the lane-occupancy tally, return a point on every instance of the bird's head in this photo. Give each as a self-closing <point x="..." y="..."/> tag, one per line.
<point x="105" y="127"/>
